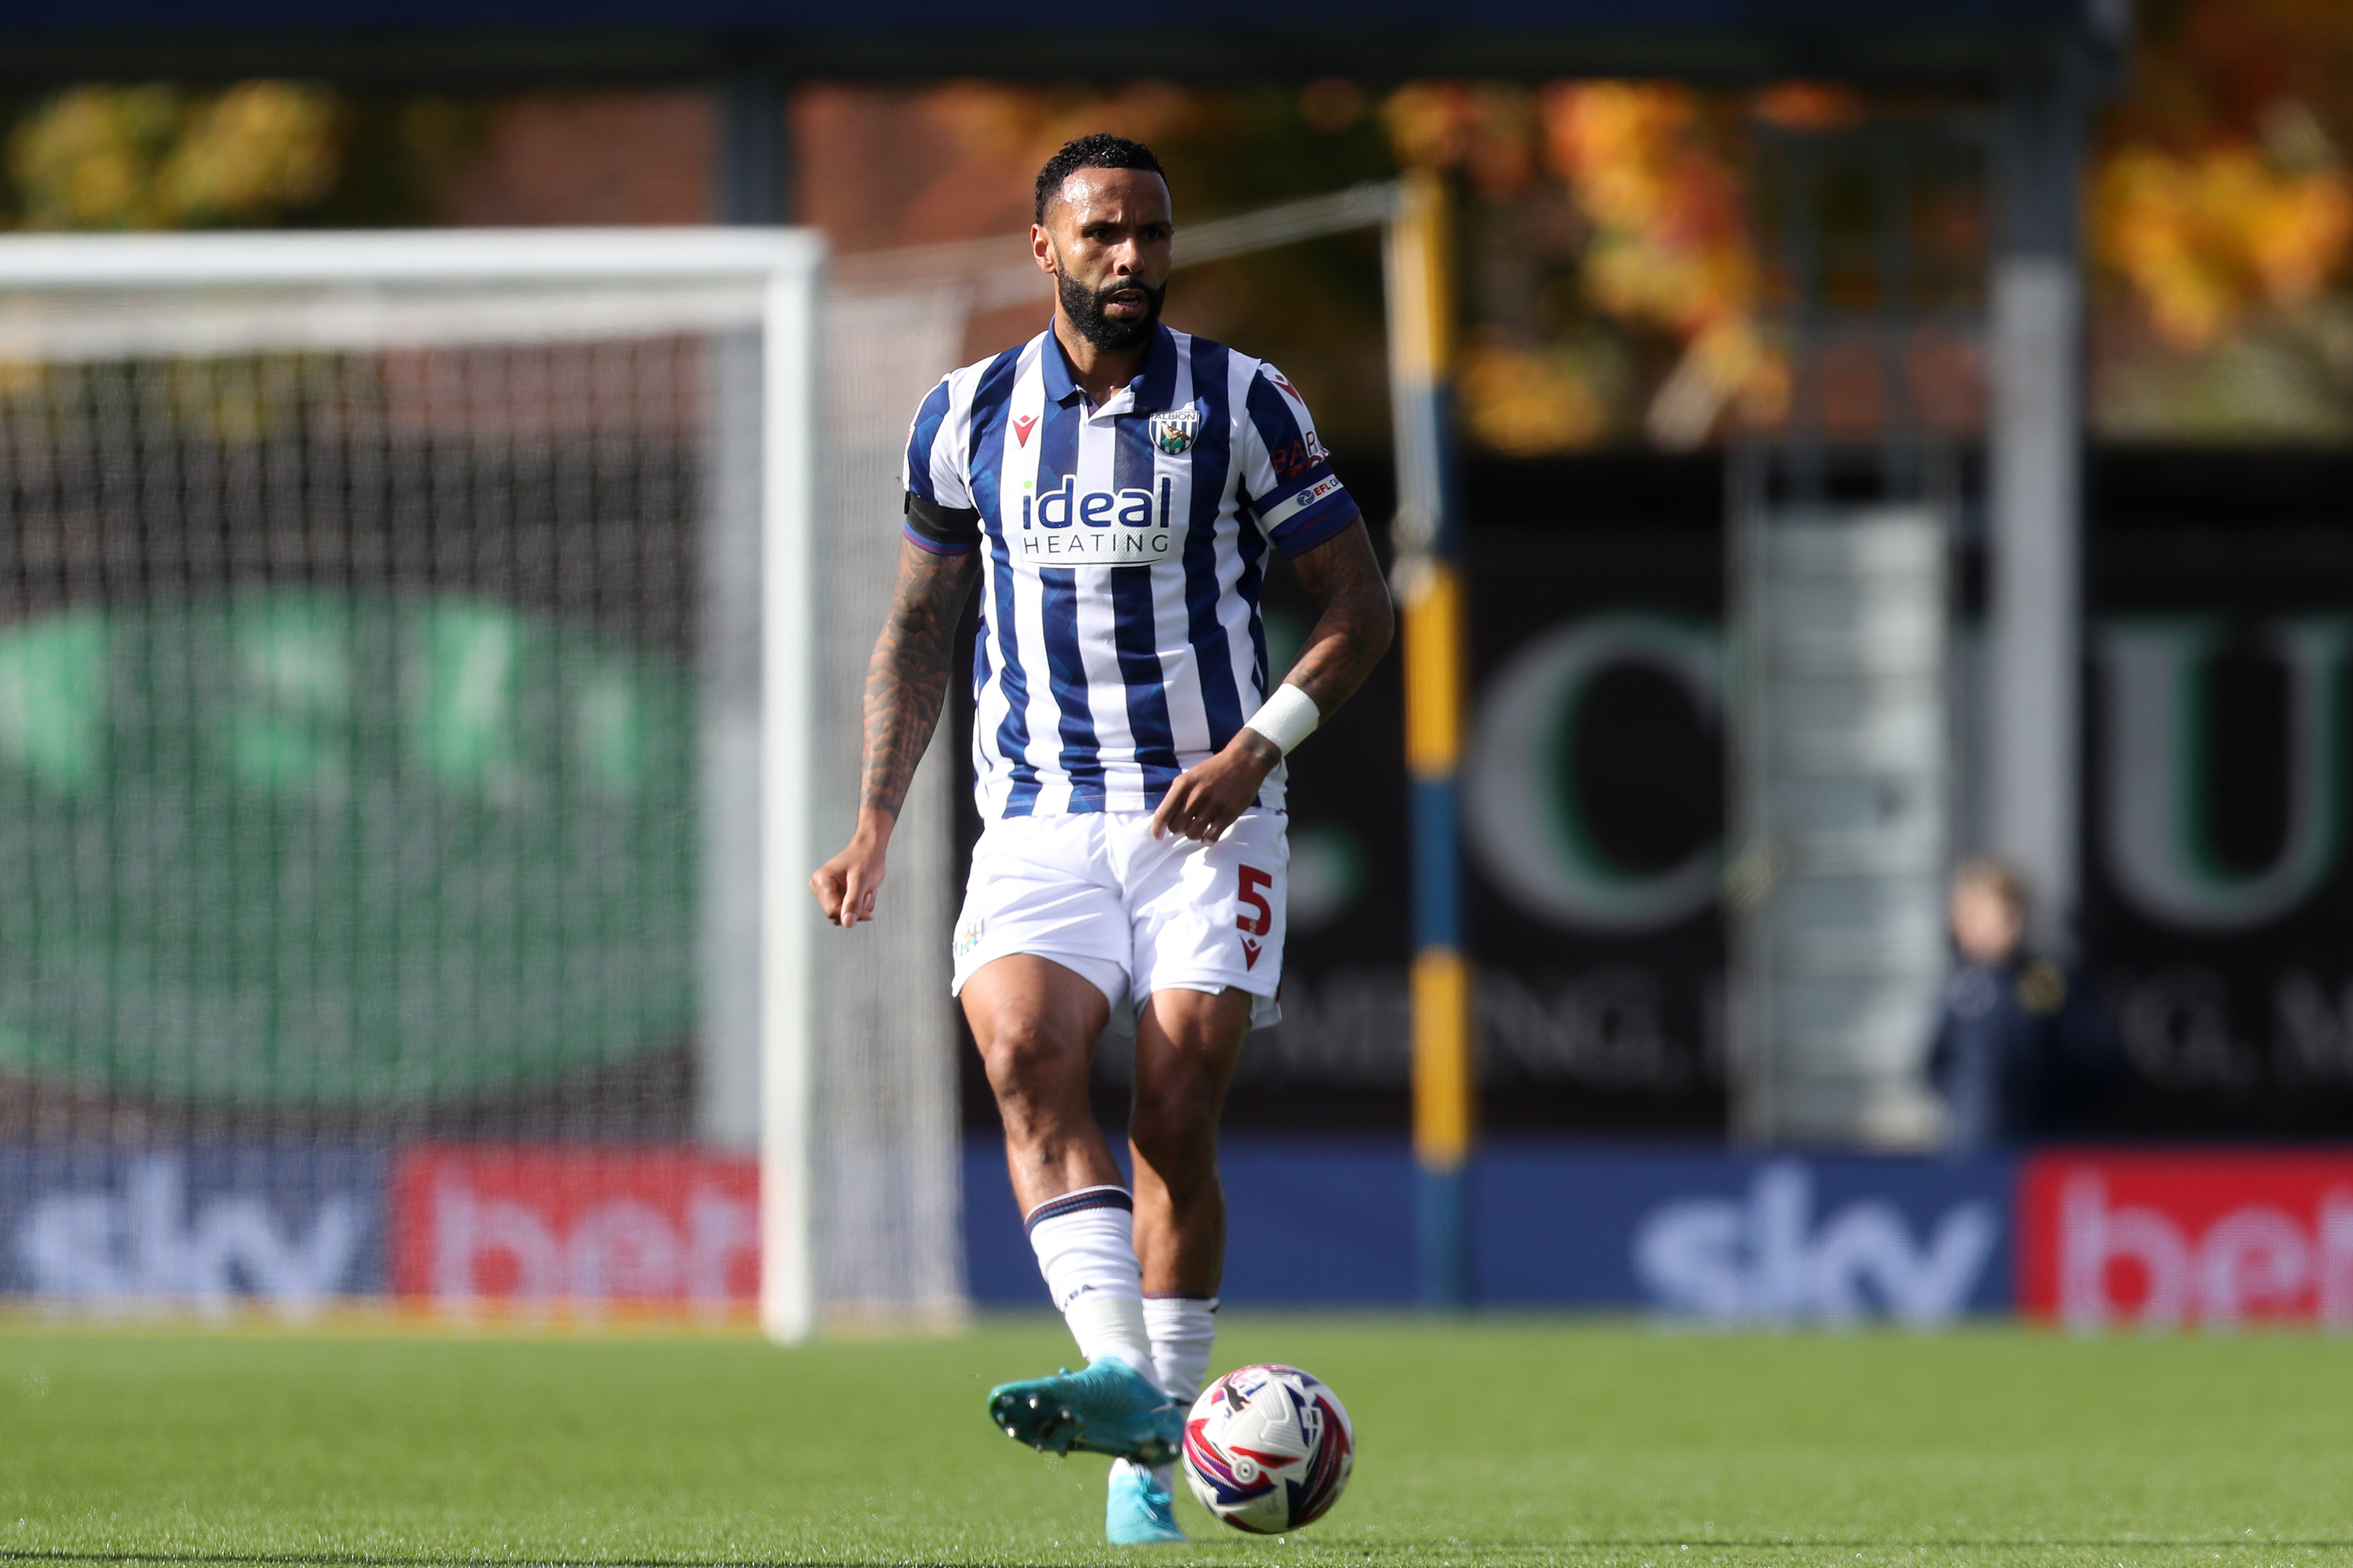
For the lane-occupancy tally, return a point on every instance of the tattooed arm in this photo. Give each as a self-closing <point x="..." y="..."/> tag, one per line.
<point x="906" y="682"/>
<point x="1354" y="629"/>
<point x="1348" y="638"/>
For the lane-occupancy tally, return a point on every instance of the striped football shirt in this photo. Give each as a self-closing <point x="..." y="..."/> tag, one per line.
<point x="1123" y="549"/>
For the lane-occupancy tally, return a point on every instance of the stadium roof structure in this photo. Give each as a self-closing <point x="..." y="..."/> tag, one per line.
<point x="1916" y="40"/>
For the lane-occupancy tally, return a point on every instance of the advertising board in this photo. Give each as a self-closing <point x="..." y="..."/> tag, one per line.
<point x="1741" y="1238"/>
<point x="2085" y="1237"/>
<point x="586" y="1227"/>
<point x="2219" y="873"/>
<point x="208" y="1226"/>
<point x="2157" y="1239"/>
<point x="1687" y="1232"/>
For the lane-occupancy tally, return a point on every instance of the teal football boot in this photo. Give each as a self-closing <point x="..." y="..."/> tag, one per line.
<point x="1110" y="1408"/>
<point x="1140" y="1511"/>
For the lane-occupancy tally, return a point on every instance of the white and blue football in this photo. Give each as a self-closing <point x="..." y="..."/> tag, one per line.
<point x="1268" y="1448"/>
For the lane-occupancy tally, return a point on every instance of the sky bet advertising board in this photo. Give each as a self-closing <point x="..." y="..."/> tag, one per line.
<point x="1691" y="1233"/>
<point x="2089" y="1238"/>
<point x="2153" y="1239"/>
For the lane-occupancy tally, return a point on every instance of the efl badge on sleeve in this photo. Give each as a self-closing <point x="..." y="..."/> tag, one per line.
<point x="1173" y="432"/>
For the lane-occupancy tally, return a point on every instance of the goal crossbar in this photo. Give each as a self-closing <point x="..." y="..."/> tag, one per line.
<point x="76" y="261"/>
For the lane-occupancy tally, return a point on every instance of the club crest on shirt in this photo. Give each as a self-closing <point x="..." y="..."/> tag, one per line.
<point x="1173" y="432"/>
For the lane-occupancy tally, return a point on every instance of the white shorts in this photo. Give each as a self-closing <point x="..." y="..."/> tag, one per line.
<point x="1096" y="893"/>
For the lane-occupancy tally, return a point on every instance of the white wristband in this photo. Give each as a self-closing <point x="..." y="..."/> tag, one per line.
<point x="1289" y="717"/>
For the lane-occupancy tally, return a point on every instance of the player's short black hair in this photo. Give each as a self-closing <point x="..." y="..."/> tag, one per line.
<point x="1099" y="151"/>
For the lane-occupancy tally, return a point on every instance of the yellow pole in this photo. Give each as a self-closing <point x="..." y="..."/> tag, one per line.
<point x="1430" y="576"/>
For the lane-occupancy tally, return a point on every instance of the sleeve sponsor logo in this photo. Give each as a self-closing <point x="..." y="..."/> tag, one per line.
<point x="1297" y="460"/>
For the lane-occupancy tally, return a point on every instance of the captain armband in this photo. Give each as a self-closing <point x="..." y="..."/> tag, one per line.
<point x="1289" y="717"/>
<point x="942" y="530"/>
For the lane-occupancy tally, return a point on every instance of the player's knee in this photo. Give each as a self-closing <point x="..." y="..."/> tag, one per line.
<point x="1026" y="1060"/>
<point x="1175" y="1125"/>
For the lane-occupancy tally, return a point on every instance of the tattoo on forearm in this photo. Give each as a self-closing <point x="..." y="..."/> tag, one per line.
<point x="907" y="679"/>
<point x="1356" y="627"/>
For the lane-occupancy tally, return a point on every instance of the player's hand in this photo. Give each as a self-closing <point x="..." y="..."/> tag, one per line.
<point x="845" y="885"/>
<point x="1205" y="801"/>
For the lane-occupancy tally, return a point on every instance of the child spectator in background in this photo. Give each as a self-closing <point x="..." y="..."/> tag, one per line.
<point x="2022" y="1049"/>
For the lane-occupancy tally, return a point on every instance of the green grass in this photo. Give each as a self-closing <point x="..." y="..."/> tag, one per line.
<point x="1509" y="1442"/>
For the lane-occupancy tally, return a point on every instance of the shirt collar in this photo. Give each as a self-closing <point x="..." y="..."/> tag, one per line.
<point x="1055" y="365"/>
<point x="1153" y="388"/>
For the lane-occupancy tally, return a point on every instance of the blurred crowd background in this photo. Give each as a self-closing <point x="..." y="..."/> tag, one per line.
<point x="1612" y="277"/>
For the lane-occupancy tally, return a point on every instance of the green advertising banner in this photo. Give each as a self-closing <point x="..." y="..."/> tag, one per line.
<point x="297" y="849"/>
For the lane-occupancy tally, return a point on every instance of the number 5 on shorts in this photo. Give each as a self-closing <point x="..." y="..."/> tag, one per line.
<point x="1253" y="897"/>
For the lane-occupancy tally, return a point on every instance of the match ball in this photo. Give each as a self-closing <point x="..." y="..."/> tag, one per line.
<point x="1268" y="1448"/>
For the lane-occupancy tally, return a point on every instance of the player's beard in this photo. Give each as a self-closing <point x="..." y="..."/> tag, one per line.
<point x="1084" y="308"/>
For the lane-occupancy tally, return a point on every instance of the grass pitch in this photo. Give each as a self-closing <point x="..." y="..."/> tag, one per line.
<point x="1508" y="1442"/>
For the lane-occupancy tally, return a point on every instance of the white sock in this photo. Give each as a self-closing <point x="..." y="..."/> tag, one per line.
<point x="1085" y="1242"/>
<point x="1182" y="1329"/>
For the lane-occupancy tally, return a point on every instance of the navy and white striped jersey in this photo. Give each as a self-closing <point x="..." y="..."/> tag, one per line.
<point x="1122" y="549"/>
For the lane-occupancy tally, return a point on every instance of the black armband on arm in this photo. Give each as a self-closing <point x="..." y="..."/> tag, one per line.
<point x="942" y="530"/>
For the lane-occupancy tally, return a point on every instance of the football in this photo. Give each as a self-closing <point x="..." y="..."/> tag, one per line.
<point x="1268" y="1448"/>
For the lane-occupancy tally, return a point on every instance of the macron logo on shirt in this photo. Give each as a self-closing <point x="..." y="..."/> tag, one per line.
<point x="1103" y="528"/>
